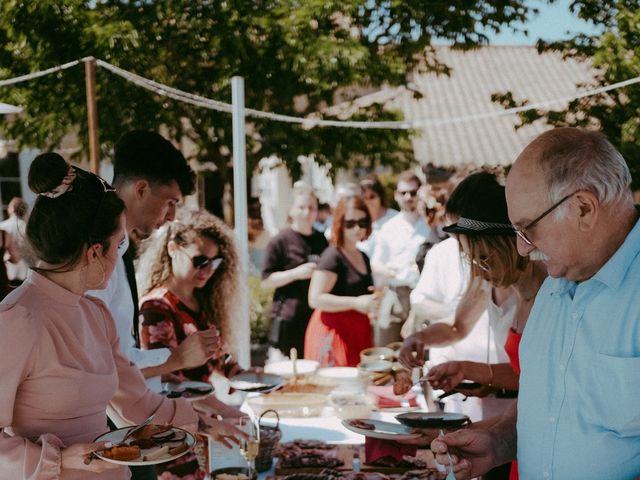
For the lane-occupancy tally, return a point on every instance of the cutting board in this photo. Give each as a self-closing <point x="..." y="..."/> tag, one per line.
<point x="346" y="453"/>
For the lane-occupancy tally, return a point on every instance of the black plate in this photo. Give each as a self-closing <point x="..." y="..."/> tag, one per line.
<point x="468" y="385"/>
<point x="231" y="471"/>
<point x="432" y="419"/>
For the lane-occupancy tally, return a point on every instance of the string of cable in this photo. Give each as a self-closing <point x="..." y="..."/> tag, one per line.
<point x="42" y="73"/>
<point x="204" y="102"/>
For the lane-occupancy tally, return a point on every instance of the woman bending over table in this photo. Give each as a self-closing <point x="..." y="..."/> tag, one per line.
<point x="188" y="278"/>
<point x="60" y="362"/>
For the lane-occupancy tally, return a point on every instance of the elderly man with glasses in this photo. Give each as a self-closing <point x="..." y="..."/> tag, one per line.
<point x="577" y="414"/>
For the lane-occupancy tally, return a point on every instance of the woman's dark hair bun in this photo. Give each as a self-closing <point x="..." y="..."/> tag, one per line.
<point x="47" y="172"/>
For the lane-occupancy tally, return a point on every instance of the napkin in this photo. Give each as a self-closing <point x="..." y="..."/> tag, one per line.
<point x="385" y="398"/>
<point x="387" y="452"/>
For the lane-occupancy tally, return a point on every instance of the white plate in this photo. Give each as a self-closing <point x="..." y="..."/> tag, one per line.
<point x="117" y="435"/>
<point x="285" y="367"/>
<point x="255" y="382"/>
<point x="382" y="430"/>
<point x="338" y="373"/>
<point x="182" y="389"/>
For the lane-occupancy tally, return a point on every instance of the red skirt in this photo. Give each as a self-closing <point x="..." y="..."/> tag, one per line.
<point x="337" y="337"/>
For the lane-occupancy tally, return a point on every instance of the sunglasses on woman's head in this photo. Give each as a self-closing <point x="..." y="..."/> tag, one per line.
<point x="362" y="223"/>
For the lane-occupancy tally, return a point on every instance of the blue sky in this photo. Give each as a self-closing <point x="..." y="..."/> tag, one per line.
<point x="552" y="23"/>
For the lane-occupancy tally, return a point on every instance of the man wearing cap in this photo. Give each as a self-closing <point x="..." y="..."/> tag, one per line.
<point x="577" y="414"/>
<point x="393" y="260"/>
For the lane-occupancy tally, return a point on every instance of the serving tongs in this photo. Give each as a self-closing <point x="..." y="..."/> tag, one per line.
<point x="127" y="436"/>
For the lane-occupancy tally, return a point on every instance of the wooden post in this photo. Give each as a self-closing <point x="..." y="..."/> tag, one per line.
<point x="92" y="114"/>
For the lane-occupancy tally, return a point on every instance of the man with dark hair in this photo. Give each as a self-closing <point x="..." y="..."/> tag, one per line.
<point x="151" y="176"/>
<point x="393" y="258"/>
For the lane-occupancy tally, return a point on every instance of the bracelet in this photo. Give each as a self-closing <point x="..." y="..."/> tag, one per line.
<point x="490" y="375"/>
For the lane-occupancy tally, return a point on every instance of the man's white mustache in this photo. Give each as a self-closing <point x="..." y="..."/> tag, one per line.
<point x="538" y="255"/>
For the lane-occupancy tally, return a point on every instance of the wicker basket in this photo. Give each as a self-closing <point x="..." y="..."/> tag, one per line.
<point x="269" y="439"/>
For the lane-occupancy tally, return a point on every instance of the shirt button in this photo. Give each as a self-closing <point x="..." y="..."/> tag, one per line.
<point x="552" y="419"/>
<point x="575" y="316"/>
<point x="545" y="474"/>
<point x="561" y="367"/>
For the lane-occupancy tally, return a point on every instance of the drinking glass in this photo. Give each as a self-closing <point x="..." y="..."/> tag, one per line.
<point x="249" y="446"/>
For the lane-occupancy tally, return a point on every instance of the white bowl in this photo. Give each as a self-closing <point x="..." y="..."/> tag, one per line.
<point x="284" y="368"/>
<point x="376" y="353"/>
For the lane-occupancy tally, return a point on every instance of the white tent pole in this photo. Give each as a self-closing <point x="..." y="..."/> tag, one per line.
<point x="240" y="214"/>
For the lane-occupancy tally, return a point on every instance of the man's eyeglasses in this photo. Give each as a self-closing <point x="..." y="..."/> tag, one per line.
<point x="200" y="262"/>
<point x="362" y="223"/>
<point x="412" y="193"/>
<point x="521" y="232"/>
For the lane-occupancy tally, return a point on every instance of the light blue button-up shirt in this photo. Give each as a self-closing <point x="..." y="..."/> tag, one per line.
<point x="579" y="402"/>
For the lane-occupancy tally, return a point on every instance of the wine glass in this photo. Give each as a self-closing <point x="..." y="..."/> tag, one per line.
<point x="249" y="446"/>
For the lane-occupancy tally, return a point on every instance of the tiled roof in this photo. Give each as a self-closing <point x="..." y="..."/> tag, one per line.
<point x="475" y="76"/>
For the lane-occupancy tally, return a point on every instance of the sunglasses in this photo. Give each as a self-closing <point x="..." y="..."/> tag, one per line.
<point x="412" y="193"/>
<point x="200" y="262"/>
<point x="105" y="186"/>
<point x="362" y="223"/>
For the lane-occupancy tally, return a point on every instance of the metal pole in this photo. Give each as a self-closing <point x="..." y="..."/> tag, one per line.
<point x="92" y="114"/>
<point x="240" y="213"/>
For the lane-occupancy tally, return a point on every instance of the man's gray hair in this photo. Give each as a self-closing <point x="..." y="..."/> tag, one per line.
<point x="575" y="159"/>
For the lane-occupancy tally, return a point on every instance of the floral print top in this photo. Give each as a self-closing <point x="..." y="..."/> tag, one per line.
<point x="165" y="322"/>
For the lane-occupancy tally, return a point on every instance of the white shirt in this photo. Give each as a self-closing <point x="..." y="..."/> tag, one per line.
<point x="17" y="228"/>
<point x="396" y="248"/>
<point x="117" y="296"/>
<point x="444" y="277"/>
<point x="367" y="246"/>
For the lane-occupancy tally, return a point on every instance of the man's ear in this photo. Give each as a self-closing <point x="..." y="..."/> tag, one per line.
<point x="141" y="188"/>
<point x="588" y="209"/>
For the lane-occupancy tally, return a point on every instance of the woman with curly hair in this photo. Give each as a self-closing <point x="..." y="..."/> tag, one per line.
<point x="188" y="283"/>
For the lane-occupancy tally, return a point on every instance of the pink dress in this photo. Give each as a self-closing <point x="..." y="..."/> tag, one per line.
<point x="60" y="366"/>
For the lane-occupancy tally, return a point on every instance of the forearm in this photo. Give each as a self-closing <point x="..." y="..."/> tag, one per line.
<point x="505" y="436"/>
<point x="278" y="279"/>
<point x="170" y="366"/>
<point x="332" y="303"/>
<point x="439" y="335"/>
<point x="498" y="375"/>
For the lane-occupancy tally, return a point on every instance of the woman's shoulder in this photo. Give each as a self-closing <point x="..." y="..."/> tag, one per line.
<point x="19" y="324"/>
<point x="159" y="298"/>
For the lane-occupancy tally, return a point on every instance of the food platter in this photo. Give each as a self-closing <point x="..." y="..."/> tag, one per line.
<point x="190" y="391"/>
<point x="178" y="441"/>
<point x="432" y="419"/>
<point x="255" y="382"/>
<point x="380" y="429"/>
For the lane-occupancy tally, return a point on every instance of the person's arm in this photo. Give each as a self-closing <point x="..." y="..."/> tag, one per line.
<point x="11" y="248"/>
<point x="157" y="330"/>
<point x="322" y="282"/>
<point x="43" y="456"/>
<point x="481" y="447"/>
<point x="467" y="314"/>
<point x="274" y="274"/>
<point x="285" y="277"/>
<point x="448" y="375"/>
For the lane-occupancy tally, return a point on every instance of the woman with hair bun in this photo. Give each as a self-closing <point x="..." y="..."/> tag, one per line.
<point x="60" y="362"/>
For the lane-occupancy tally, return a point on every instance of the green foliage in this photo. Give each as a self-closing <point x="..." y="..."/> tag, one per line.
<point x="297" y="58"/>
<point x="615" y="54"/>
<point x="259" y="311"/>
